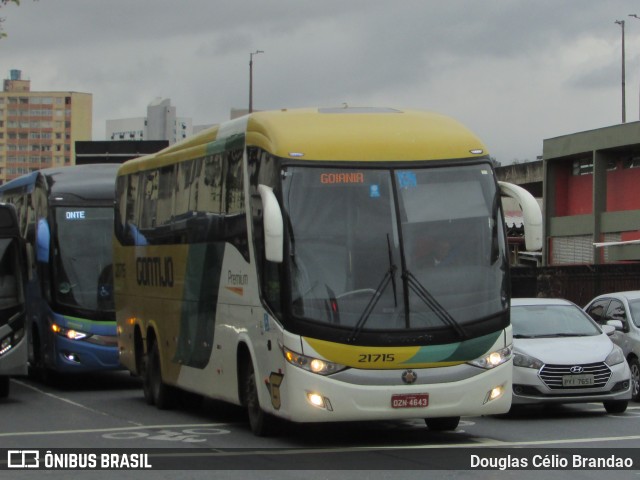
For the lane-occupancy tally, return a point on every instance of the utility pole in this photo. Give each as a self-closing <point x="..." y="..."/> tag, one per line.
<point x="251" y="78"/>
<point x="624" y="102"/>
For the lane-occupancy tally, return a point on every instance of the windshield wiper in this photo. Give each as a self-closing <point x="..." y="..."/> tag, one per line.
<point x="389" y="277"/>
<point x="393" y="277"/>
<point x="553" y="335"/>
<point x="429" y="300"/>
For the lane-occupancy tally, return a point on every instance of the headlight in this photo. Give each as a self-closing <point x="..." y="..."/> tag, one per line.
<point x="68" y="332"/>
<point x="10" y="341"/>
<point x="521" y="360"/>
<point x="314" y="365"/>
<point x="492" y="359"/>
<point x="615" y="357"/>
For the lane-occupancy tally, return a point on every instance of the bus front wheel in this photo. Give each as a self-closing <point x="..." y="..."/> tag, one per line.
<point x="262" y="424"/>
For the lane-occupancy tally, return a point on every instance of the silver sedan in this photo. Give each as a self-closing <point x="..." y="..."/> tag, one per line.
<point x="562" y="356"/>
<point x="621" y="310"/>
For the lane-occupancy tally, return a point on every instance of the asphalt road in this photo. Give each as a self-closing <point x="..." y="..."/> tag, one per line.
<point x="100" y="413"/>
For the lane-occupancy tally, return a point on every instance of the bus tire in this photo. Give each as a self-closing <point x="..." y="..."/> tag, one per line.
<point x="4" y="386"/>
<point x="37" y="370"/>
<point x="262" y="424"/>
<point x="162" y="395"/>
<point x="442" y="424"/>
<point x="146" y="384"/>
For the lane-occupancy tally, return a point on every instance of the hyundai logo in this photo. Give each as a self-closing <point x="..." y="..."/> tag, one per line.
<point x="576" y="369"/>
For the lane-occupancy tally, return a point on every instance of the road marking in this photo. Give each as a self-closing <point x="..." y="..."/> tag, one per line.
<point x="110" y="430"/>
<point x="66" y="400"/>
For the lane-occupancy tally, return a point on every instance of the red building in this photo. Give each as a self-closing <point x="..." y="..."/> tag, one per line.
<point x="592" y="196"/>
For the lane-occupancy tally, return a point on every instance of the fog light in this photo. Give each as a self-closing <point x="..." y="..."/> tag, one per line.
<point x="494" y="393"/>
<point x="72" y="357"/>
<point x="319" y="401"/>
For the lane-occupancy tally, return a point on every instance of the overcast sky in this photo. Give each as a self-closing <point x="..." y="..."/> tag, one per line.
<point x="514" y="71"/>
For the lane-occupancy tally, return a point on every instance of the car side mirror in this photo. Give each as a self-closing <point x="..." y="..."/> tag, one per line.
<point x="616" y="324"/>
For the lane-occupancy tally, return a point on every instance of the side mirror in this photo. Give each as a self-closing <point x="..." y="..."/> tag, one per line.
<point x="43" y="241"/>
<point x="608" y="329"/>
<point x="273" y="225"/>
<point x="616" y="324"/>
<point x="531" y="214"/>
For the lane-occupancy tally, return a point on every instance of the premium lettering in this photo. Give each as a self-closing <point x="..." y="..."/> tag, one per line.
<point x="237" y="278"/>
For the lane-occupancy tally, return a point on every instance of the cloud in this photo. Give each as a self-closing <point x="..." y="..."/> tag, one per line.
<point x="515" y="71"/>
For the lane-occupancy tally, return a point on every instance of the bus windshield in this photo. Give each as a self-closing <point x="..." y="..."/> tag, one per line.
<point x="82" y="259"/>
<point x="382" y="249"/>
<point x="10" y="279"/>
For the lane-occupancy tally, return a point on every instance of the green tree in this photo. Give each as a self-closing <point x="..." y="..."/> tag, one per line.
<point x="2" y="4"/>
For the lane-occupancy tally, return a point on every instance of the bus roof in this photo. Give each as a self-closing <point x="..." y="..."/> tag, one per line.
<point x="86" y="182"/>
<point x="338" y="134"/>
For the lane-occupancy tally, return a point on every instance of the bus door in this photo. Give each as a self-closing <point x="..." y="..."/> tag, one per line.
<point x="13" y="273"/>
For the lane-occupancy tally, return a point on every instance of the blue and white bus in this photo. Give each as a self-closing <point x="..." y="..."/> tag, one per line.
<point x="66" y="215"/>
<point x="13" y="272"/>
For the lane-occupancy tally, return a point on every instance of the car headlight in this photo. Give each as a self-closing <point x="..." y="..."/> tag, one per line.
<point x="615" y="357"/>
<point x="492" y="359"/>
<point x="521" y="360"/>
<point x="314" y="365"/>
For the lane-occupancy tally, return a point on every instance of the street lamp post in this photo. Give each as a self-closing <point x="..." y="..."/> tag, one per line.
<point x="636" y="16"/>
<point x="624" y="114"/>
<point x="251" y="78"/>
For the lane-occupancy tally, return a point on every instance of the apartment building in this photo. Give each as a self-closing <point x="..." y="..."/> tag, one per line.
<point x="39" y="129"/>
<point x="161" y="123"/>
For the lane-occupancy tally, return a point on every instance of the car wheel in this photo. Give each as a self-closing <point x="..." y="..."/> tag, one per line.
<point x="4" y="386"/>
<point x="616" y="406"/>
<point x="634" y="366"/>
<point x="442" y="424"/>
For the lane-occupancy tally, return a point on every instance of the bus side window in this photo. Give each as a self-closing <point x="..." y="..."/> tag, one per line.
<point x="210" y="185"/>
<point x="149" y="199"/>
<point x="183" y="188"/>
<point x="164" y="212"/>
<point x="233" y="184"/>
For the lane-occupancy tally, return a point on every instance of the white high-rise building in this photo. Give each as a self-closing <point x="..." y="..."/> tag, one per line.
<point x="161" y="123"/>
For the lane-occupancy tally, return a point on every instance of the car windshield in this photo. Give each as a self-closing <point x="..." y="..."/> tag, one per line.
<point x="531" y="321"/>
<point x="395" y="249"/>
<point x="83" y="271"/>
<point x="634" y="305"/>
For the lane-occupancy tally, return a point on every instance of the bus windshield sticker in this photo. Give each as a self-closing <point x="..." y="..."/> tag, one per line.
<point x="407" y="179"/>
<point x="374" y="191"/>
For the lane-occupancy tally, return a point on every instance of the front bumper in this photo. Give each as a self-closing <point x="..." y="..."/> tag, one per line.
<point x="529" y="389"/>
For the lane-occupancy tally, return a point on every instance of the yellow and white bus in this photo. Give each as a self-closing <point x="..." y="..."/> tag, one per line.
<point x="318" y="265"/>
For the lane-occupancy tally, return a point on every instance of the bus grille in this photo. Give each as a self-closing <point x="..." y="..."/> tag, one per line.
<point x="552" y="375"/>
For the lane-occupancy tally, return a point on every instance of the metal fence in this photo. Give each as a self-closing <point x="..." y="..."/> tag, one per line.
<point x="578" y="283"/>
